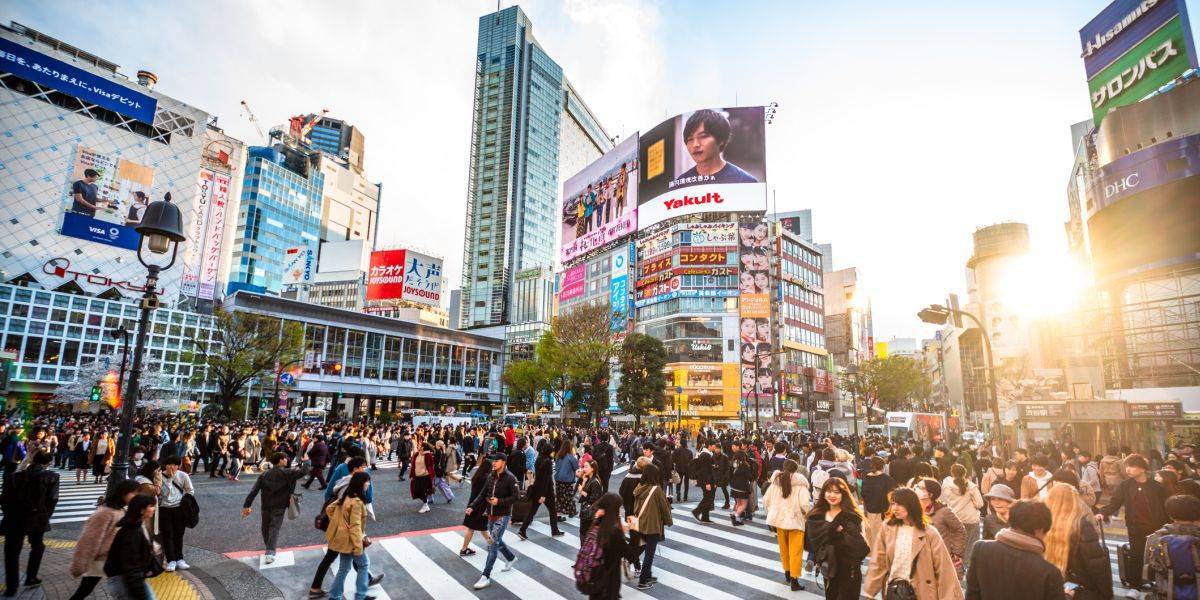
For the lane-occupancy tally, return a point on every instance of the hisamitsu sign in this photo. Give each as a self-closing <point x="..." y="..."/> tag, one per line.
<point x="27" y="63"/>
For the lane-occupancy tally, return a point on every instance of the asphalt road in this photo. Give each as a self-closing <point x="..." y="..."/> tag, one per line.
<point x="222" y="528"/>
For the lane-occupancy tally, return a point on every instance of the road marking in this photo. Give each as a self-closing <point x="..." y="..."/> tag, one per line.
<point x="423" y="570"/>
<point x="515" y="581"/>
<point x="283" y="559"/>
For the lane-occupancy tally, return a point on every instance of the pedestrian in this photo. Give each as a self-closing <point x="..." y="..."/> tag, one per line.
<point x="1000" y="499"/>
<point x="318" y="457"/>
<point x="652" y="514"/>
<point x="911" y="554"/>
<point x="1037" y="483"/>
<point x="565" y="465"/>
<point x="171" y="521"/>
<point x="741" y="480"/>
<point x="277" y="486"/>
<point x="423" y="468"/>
<point x="944" y="521"/>
<point x="876" y="485"/>
<point x="475" y="521"/>
<point x="100" y="456"/>
<point x="499" y="493"/>
<point x="609" y="535"/>
<point x="787" y="501"/>
<point x="516" y="461"/>
<point x="682" y="457"/>
<point x="703" y="469"/>
<point x="87" y="562"/>
<point x="541" y="493"/>
<point x="347" y="535"/>
<point x="1164" y="547"/>
<point x="590" y="491"/>
<point x="1012" y="566"/>
<point x="131" y="560"/>
<point x="835" y="539"/>
<point x="1073" y="545"/>
<point x="29" y="499"/>
<point x="404" y="451"/>
<point x="81" y="456"/>
<point x="1144" y="501"/>
<point x="441" y="457"/>
<point x="343" y="474"/>
<point x="962" y="496"/>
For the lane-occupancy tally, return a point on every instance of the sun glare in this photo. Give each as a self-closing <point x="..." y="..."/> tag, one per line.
<point x="1042" y="284"/>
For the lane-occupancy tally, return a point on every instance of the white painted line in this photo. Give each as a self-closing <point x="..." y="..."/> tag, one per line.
<point x="565" y="566"/>
<point x="432" y="578"/>
<point x="518" y="583"/>
<point x="722" y="533"/>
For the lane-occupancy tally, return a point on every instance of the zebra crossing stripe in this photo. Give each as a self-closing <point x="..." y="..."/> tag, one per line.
<point x="723" y="534"/>
<point x="423" y="570"/>
<point x="563" y="565"/>
<point x="515" y="581"/>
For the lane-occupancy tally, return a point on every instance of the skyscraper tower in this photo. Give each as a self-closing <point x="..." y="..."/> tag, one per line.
<point x="528" y="127"/>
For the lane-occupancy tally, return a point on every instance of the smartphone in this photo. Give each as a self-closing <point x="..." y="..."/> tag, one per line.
<point x="1070" y="587"/>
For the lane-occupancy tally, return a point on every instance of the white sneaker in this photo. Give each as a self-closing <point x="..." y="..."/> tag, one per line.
<point x="508" y="564"/>
<point x="171" y="566"/>
<point x="268" y="559"/>
<point x="482" y="583"/>
<point x="183" y="566"/>
<point x="425" y="509"/>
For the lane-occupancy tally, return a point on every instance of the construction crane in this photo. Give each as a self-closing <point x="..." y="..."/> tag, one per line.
<point x="253" y="120"/>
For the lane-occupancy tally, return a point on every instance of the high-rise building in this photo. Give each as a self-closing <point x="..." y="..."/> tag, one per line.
<point x="528" y="127"/>
<point x="340" y="139"/>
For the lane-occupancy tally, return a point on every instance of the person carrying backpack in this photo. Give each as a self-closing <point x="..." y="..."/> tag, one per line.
<point x="598" y="566"/>
<point x="1173" y="552"/>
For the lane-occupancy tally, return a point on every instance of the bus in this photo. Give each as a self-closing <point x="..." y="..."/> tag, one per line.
<point x="312" y="415"/>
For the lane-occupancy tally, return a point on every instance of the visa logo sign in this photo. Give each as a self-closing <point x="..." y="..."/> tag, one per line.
<point x="98" y="230"/>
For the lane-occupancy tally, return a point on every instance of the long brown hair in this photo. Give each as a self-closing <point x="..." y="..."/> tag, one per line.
<point x="959" y="473"/>
<point x="847" y="504"/>
<point x="784" y="476"/>
<point x="912" y="505"/>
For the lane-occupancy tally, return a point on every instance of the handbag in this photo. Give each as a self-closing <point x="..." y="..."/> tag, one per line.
<point x="675" y="478"/>
<point x="188" y="507"/>
<point x="293" y="507"/>
<point x="902" y="589"/>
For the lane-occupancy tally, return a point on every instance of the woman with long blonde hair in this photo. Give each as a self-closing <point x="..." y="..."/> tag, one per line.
<point x="1073" y="546"/>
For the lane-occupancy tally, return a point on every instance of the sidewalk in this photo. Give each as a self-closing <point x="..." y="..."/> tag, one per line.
<point x="212" y="577"/>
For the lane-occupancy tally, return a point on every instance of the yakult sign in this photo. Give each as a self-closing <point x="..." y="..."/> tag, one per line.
<point x="710" y="160"/>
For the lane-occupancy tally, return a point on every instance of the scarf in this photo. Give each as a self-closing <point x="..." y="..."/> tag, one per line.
<point x="1020" y="541"/>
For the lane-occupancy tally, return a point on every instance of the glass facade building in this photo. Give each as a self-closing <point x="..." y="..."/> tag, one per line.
<point x="280" y="209"/>
<point x="523" y="109"/>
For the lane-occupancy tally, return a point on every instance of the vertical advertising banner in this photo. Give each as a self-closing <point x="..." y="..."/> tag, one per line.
<point x="385" y="277"/>
<point x="1132" y="48"/>
<point x="193" y="253"/>
<point x="573" y="283"/>
<point x="215" y="236"/>
<point x="422" y="278"/>
<point x="298" y="265"/>
<point x="754" y="314"/>
<point x="105" y="199"/>
<point x="710" y="160"/>
<point x="600" y="202"/>
<point x="618" y="290"/>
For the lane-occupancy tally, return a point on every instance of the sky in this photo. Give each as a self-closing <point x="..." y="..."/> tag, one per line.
<point x="904" y="126"/>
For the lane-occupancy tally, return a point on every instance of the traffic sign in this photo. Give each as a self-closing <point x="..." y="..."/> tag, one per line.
<point x="286" y="378"/>
<point x="283" y="394"/>
<point x="679" y="389"/>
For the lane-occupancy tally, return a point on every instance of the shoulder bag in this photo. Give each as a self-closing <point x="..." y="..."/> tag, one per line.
<point x="633" y="521"/>
<point x="188" y="507"/>
<point x="902" y="589"/>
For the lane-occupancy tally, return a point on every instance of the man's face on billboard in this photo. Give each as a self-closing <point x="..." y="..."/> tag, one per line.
<point x="702" y="146"/>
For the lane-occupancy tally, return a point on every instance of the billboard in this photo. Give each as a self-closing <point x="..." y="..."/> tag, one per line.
<point x="618" y="290"/>
<point x="205" y="234"/>
<point x="1164" y="162"/>
<point x="755" y="358"/>
<point x="405" y="275"/>
<point x="710" y="160"/>
<point x="385" y="276"/>
<point x="299" y="264"/>
<point x="573" y="283"/>
<point x="1132" y="48"/>
<point x="27" y="63"/>
<point x="105" y="198"/>
<point x="422" y="278"/>
<point x="600" y="202"/>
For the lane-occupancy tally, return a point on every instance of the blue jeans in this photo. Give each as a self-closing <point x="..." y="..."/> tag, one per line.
<point x="651" y="544"/>
<point x="362" y="576"/>
<point x="496" y="531"/>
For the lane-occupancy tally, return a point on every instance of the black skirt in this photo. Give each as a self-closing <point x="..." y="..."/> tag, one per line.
<point x="476" y="521"/>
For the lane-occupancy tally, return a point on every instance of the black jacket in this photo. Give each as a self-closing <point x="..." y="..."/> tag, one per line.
<point x="277" y="486"/>
<point x="1002" y="572"/>
<point x="609" y="573"/>
<point x="847" y="546"/>
<point x="682" y="457"/>
<point x="721" y="469"/>
<point x="704" y="469"/>
<point x="131" y="556"/>
<point x="543" y="477"/>
<point x="901" y="469"/>
<point x="1088" y="563"/>
<point x="603" y="455"/>
<point x="992" y="525"/>
<point x="29" y="500"/>
<point x="503" y="488"/>
<point x="875" y="490"/>
<point x="1156" y="498"/>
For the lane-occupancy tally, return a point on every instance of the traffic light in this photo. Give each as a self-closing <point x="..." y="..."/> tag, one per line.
<point x="95" y="393"/>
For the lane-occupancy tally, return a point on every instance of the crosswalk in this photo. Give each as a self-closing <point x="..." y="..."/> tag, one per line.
<point x="697" y="560"/>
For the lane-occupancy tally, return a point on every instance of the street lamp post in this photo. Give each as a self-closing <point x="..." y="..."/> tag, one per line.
<point x="161" y="231"/>
<point x="937" y="314"/>
<point x="852" y="371"/>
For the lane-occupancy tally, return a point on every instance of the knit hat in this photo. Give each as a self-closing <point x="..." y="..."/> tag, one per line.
<point x="1001" y="492"/>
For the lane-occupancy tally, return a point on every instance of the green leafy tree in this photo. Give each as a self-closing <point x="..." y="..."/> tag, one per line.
<point x="895" y="383"/>
<point x="642" y="360"/>
<point x="585" y="350"/>
<point x="246" y="346"/>
<point x="526" y="380"/>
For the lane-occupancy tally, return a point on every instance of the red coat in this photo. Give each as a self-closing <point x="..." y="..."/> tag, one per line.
<point x="510" y="437"/>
